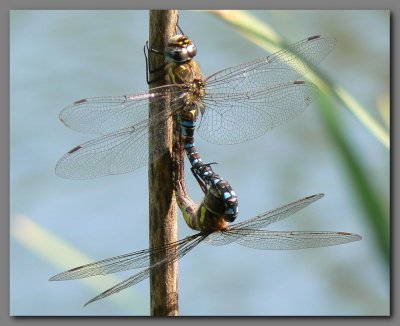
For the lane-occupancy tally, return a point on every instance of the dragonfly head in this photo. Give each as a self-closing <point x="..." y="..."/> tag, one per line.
<point x="180" y="49"/>
<point x="209" y="221"/>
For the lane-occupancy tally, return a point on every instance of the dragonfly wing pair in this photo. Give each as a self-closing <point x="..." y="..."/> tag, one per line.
<point x="248" y="233"/>
<point x="123" y="121"/>
<point x="240" y="103"/>
<point x="138" y="259"/>
<point x="246" y="101"/>
<point x="245" y="233"/>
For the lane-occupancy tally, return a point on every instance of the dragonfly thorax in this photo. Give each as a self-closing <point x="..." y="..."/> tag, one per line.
<point x="180" y="49"/>
<point x="196" y="87"/>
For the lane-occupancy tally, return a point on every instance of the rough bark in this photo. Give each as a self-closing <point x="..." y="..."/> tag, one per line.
<point x="162" y="206"/>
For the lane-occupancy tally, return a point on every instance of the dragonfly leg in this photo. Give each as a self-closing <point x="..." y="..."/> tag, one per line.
<point x="179" y="28"/>
<point x="195" y="171"/>
<point x="147" y="49"/>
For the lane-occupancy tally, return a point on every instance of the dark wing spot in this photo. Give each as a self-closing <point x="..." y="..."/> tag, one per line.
<point x="80" y="101"/>
<point x="75" y="269"/>
<point x="313" y="37"/>
<point x="74" y="149"/>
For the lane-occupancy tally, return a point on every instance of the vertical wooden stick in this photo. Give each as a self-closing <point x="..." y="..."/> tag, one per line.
<point x="162" y="206"/>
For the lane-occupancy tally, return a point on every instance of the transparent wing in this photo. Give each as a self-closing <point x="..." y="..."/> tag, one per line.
<point x="103" y="115"/>
<point x="142" y="275"/>
<point x="283" y="240"/>
<point x="238" y="117"/>
<point x="118" y="152"/>
<point x="283" y="66"/>
<point x="260" y="221"/>
<point x="137" y="259"/>
<point x="277" y="214"/>
<point x="287" y="240"/>
<point x="246" y="101"/>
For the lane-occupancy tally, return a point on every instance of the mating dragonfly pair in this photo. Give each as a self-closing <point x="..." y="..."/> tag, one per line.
<point x="235" y="105"/>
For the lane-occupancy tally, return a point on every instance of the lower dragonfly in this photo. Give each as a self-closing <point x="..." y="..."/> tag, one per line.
<point x="207" y="218"/>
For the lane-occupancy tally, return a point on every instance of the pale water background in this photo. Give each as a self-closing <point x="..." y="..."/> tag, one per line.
<point x="58" y="57"/>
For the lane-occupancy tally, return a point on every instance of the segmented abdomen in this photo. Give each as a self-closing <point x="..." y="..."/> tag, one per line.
<point x="205" y="172"/>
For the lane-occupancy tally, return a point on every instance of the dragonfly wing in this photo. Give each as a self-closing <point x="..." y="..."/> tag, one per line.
<point x="220" y="238"/>
<point x="120" y="263"/>
<point x="142" y="275"/>
<point x="287" y="240"/>
<point x="246" y="101"/>
<point x="234" y="117"/>
<point x="276" y="214"/>
<point x="182" y="249"/>
<point x="283" y="66"/>
<point x="103" y="115"/>
<point x="137" y="259"/>
<point x="133" y="260"/>
<point x="118" y="152"/>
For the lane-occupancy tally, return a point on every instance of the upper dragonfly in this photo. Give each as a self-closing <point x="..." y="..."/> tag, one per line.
<point x="235" y="105"/>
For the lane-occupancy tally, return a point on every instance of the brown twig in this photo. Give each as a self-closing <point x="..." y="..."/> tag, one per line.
<point x="162" y="207"/>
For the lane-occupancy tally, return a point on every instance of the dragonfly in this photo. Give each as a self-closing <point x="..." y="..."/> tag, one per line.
<point x="234" y="105"/>
<point x="248" y="233"/>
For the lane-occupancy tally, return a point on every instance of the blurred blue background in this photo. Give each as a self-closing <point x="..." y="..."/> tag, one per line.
<point x="58" y="57"/>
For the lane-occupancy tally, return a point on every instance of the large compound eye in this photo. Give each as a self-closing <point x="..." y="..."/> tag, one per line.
<point x="192" y="50"/>
<point x="177" y="54"/>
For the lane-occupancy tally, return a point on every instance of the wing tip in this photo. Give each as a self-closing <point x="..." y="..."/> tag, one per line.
<point x="316" y="196"/>
<point x="89" y="302"/>
<point x="353" y="236"/>
<point x="56" y="277"/>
